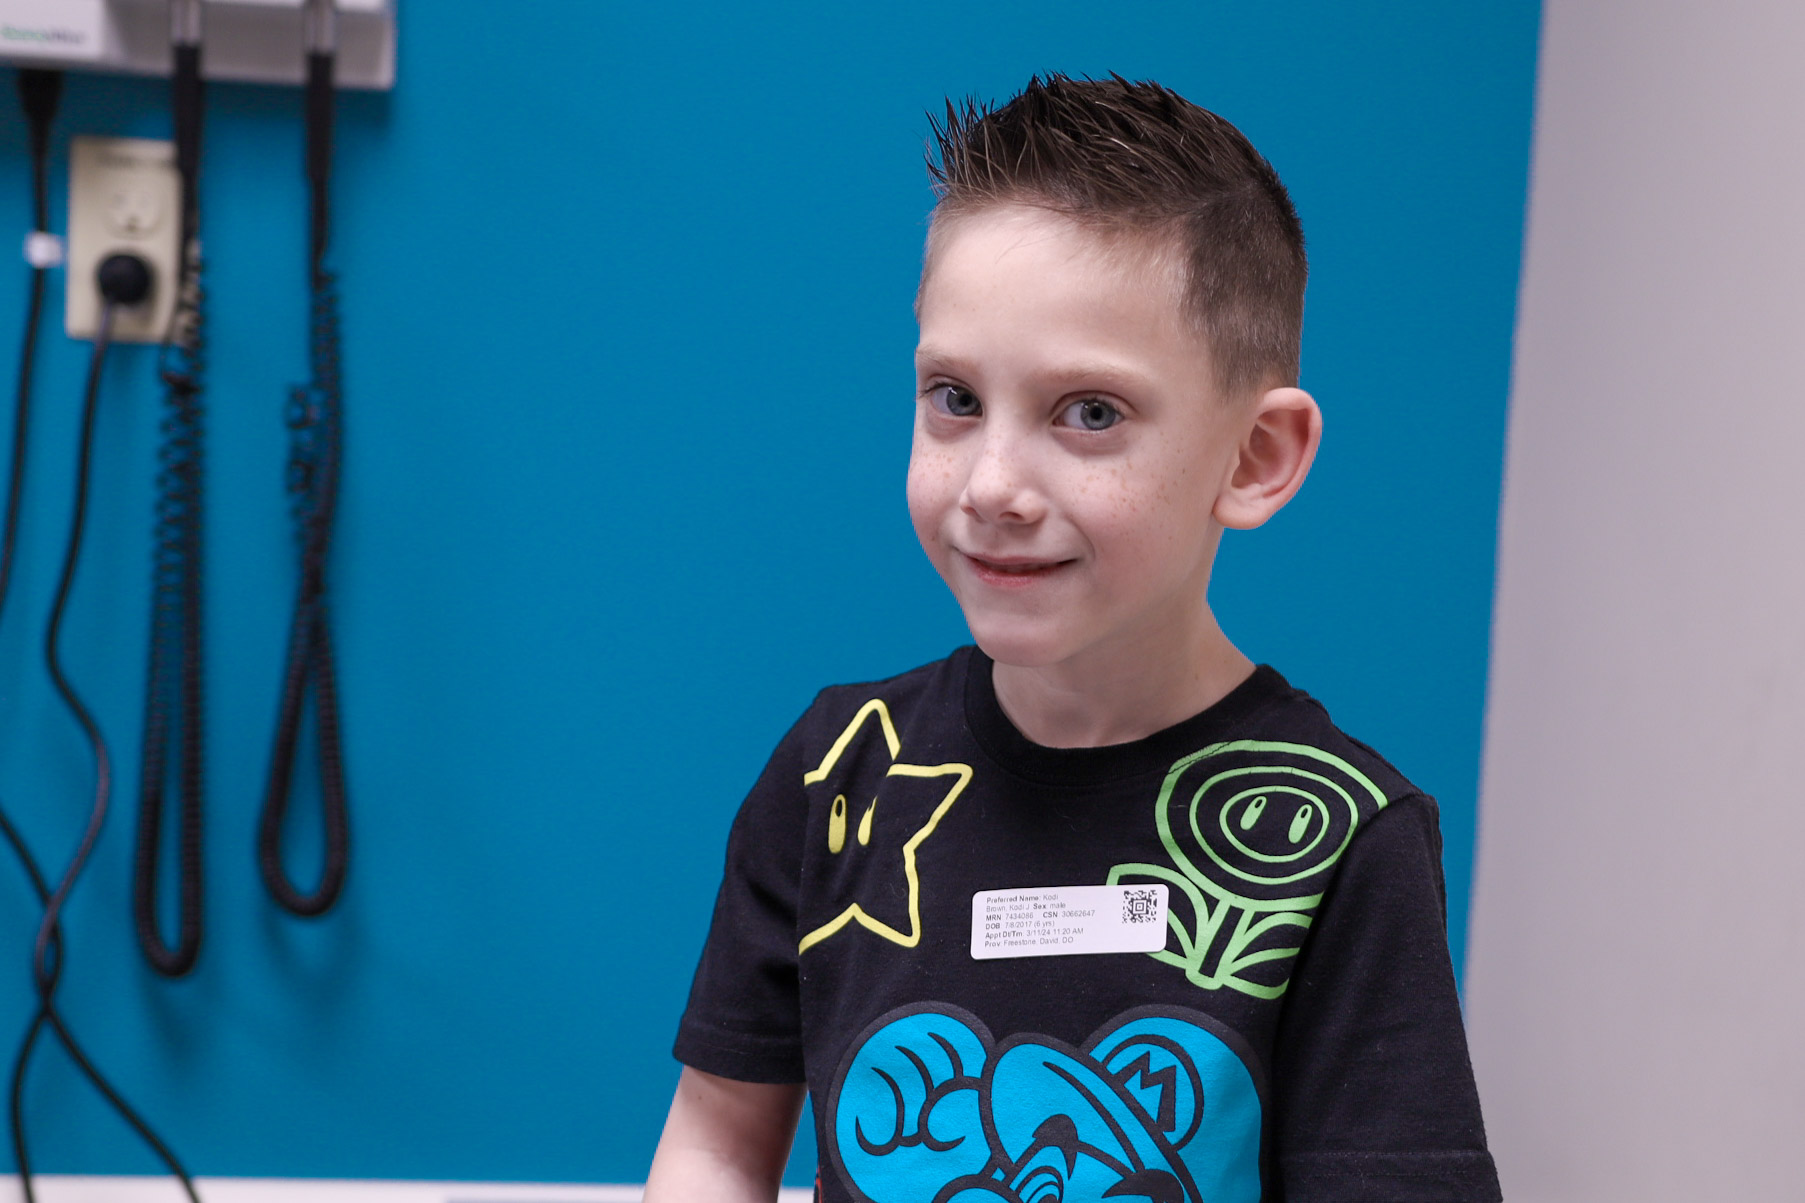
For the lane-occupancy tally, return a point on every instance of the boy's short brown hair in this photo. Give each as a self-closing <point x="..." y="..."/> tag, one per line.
<point x="1139" y="158"/>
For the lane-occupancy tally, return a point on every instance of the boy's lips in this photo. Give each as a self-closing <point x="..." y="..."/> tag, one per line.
<point x="1011" y="571"/>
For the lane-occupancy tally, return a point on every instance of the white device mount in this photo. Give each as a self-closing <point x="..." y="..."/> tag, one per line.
<point x="253" y="41"/>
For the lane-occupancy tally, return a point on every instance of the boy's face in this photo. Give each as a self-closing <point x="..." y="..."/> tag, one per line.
<point x="1070" y="443"/>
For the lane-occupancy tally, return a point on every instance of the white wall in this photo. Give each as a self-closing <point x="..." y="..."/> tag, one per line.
<point x="71" y="1188"/>
<point x="1636" y="981"/>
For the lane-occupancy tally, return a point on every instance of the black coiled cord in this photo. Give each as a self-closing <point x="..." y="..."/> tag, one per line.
<point x="316" y="437"/>
<point x="174" y="744"/>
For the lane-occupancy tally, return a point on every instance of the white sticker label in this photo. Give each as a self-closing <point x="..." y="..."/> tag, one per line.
<point x="1051" y="921"/>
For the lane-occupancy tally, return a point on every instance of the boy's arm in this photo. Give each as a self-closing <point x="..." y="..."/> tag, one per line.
<point x="724" y="1141"/>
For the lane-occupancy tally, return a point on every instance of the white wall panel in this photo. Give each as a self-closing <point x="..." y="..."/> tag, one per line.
<point x="1636" y="980"/>
<point x="75" y="1188"/>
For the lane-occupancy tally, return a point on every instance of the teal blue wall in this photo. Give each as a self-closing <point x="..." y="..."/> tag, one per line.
<point x="628" y="295"/>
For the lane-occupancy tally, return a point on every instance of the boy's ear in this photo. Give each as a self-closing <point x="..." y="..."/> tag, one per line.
<point x="1273" y="458"/>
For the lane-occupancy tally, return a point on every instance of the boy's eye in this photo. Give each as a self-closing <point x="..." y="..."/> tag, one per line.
<point x="953" y="400"/>
<point x="1091" y="413"/>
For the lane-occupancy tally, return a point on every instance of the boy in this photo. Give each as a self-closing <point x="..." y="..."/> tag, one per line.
<point x="1096" y="909"/>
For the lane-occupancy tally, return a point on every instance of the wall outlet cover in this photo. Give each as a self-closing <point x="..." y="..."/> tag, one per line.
<point x="124" y="196"/>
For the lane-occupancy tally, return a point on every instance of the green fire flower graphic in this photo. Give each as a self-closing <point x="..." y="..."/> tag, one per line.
<point x="1253" y="830"/>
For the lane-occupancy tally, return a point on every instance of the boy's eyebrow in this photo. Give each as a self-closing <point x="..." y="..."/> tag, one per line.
<point x="1079" y="373"/>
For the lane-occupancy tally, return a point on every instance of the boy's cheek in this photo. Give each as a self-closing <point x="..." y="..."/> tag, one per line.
<point x="923" y="511"/>
<point x="933" y="483"/>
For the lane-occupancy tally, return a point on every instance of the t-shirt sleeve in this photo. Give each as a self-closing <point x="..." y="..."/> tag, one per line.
<point x="1374" y="1094"/>
<point x="743" y="1020"/>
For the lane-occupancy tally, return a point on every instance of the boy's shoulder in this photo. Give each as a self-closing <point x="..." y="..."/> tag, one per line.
<point x="930" y="682"/>
<point x="926" y="701"/>
<point x="1298" y="717"/>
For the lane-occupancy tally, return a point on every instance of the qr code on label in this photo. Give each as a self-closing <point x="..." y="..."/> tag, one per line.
<point x="1140" y="906"/>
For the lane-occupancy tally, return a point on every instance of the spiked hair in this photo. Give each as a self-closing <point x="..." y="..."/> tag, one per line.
<point x="1139" y="158"/>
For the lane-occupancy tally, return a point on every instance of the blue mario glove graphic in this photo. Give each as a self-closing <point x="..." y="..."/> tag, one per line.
<point x="1159" y="1105"/>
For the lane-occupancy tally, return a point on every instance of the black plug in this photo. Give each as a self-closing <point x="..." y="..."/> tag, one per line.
<point x="123" y="278"/>
<point x="39" y="90"/>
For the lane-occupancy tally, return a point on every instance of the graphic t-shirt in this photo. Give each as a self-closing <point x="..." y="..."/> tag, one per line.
<point x="905" y="879"/>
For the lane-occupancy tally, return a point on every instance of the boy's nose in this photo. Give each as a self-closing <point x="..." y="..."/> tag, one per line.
<point x="999" y="487"/>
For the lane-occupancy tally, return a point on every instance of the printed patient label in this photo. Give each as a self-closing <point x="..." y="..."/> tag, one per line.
<point x="1051" y="921"/>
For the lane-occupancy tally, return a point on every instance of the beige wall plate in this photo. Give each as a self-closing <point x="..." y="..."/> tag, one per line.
<point x="124" y="196"/>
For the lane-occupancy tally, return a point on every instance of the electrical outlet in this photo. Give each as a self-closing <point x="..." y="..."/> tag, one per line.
<point x="124" y="196"/>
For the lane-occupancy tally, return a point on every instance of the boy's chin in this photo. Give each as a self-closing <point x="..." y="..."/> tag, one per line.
<point x="1019" y="649"/>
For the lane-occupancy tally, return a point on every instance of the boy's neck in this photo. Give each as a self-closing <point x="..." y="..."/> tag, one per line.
<point x="1123" y="695"/>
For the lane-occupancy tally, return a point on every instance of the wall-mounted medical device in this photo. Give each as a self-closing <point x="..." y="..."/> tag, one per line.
<point x="251" y="41"/>
<point x="135" y="273"/>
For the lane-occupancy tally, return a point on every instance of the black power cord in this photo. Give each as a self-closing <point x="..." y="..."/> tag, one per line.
<point x="123" y="277"/>
<point x="39" y="91"/>
<point x="123" y="280"/>
<point x="47" y="1014"/>
<point x="174" y="743"/>
<point x="315" y="422"/>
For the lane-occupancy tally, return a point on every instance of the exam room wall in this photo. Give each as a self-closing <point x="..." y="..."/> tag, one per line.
<point x="1638" y="952"/>
<point x="627" y="359"/>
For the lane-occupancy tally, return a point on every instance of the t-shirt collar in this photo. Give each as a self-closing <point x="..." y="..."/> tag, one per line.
<point x="1155" y="753"/>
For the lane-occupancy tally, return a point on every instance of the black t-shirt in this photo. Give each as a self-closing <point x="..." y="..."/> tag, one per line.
<point x="1298" y="1038"/>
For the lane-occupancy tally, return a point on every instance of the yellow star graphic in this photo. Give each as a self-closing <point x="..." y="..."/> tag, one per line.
<point x="962" y="774"/>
